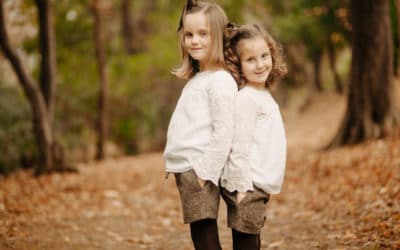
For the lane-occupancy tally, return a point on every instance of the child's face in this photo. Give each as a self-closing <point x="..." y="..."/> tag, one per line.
<point x="255" y="60"/>
<point x="197" y="37"/>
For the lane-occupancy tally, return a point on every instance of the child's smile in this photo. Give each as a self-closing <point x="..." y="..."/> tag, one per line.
<point x="256" y="61"/>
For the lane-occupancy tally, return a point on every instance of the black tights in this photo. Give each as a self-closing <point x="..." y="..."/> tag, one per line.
<point x="243" y="241"/>
<point x="205" y="235"/>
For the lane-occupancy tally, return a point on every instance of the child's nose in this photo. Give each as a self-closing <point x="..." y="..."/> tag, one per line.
<point x="195" y="39"/>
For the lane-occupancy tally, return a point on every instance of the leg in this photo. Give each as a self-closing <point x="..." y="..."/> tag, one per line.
<point x="200" y="210"/>
<point x="205" y="235"/>
<point x="246" y="218"/>
<point x="244" y="241"/>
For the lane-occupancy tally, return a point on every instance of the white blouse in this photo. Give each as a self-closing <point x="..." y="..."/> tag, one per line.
<point x="258" y="153"/>
<point x="201" y="128"/>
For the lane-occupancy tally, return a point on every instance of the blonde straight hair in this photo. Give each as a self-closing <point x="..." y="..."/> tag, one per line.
<point x="217" y="21"/>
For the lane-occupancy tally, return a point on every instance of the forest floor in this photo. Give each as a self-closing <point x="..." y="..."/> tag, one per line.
<point x="345" y="198"/>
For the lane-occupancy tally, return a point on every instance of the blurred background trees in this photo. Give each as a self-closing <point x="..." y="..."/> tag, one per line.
<point x="41" y="96"/>
<point x="109" y="87"/>
<point x="371" y="111"/>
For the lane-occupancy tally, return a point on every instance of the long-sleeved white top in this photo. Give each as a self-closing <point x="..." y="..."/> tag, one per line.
<point x="201" y="128"/>
<point x="258" y="154"/>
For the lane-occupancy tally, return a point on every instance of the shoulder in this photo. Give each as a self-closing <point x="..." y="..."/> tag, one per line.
<point x="246" y="97"/>
<point x="245" y="93"/>
<point x="266" y="104"/>
<point x="223" y="78"/>
<point x="271" y="104"/>
<point x="221" y="73"/>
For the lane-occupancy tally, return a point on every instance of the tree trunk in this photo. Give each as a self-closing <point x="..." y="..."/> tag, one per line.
<point x="143" y="23"/>
<point x="370" y="107"/>
<point x="316" y="59"/>
<point x="127" y="26"/>
<point x="332" y="63"/>
<point x="48" y="69"/>
<point x="48" y="73"/>
<point x="135" y="32"/>
<point x="102" y="119"/>
<point x="40" y="118"/>
<point x="397" y="6"/>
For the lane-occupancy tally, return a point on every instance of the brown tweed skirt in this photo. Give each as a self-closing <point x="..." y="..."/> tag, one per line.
<point x="197" y="203"/>
<point x="248" y="216"/>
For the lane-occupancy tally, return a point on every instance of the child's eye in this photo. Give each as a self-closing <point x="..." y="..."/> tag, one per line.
<point x="188" y="34"/>
<point x="250" y="59"/>
<point x="203" y="34"/>
<point x="265" y="55"/>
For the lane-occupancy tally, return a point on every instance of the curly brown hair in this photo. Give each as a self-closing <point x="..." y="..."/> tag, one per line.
<point x="234" y="34"/>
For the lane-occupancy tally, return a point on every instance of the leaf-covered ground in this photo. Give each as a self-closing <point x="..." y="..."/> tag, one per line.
<point x="346" y="198"/>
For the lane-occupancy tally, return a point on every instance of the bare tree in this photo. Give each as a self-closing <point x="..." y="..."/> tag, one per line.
<point x="370" y="108"/>
<point x="316" y="60"/>
<point x="48" y="69"/>
<point x="127" y="26"/>
<point x="397" y="39"/>
<point x="99" y="39"/>
<point x="41" y="99"/>
<point x="135" y="30"/>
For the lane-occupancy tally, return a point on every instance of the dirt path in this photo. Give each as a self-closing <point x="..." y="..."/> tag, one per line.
<point x="346" y="198"/>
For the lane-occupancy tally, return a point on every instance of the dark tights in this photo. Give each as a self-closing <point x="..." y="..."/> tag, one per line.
<point x="243" y="241"/>
<point x="205" y="235"/>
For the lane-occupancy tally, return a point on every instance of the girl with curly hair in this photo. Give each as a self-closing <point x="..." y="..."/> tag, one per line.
<point x="256" y="164"/>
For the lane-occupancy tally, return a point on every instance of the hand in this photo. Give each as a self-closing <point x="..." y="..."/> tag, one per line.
<point x="240" y="196"/>
<point x="202" y="182"/>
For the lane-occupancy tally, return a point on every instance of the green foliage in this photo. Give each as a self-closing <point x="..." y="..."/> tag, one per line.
<point x="310" y="21"/>
<point x="124" y="132"/>
<point x="234" y="8"/>
<point x="135" y="81"/>
<point x="74" y="27"/>
<point x="138" y="82"/>
<point x="78" y="82"/>
<point x="16" y="137"/>
<point x="313" y="25"/>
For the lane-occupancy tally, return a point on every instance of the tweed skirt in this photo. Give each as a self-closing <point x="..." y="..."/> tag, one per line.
<point x="198" y="202"/>
<point x="248" y="216"/>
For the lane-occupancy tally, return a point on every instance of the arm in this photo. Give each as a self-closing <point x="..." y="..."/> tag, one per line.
<point x="276" y="160"/>
<point x="222" y="98"/>
<point x="239" y="167"/>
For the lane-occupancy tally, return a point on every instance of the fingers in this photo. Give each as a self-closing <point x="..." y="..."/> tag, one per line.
<point x="202" y="182"/>
<point x="240" y="196"/>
